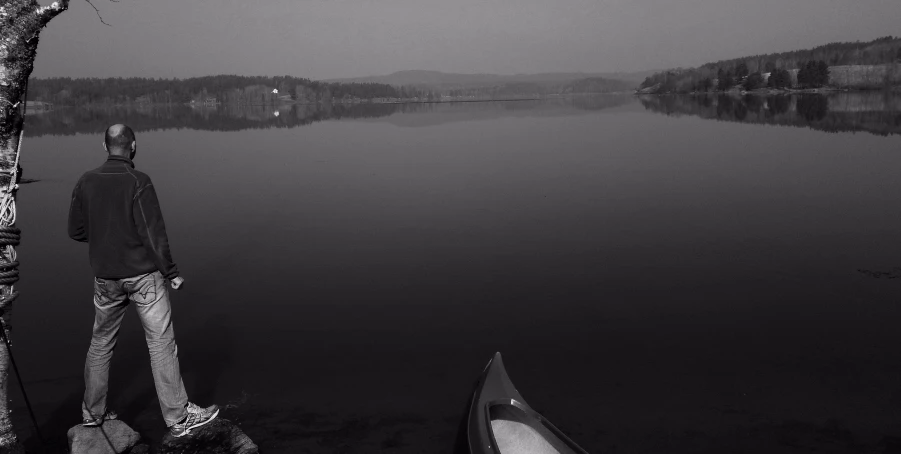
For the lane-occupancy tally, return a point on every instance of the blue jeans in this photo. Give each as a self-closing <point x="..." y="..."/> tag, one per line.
<point x="151" y="298"/>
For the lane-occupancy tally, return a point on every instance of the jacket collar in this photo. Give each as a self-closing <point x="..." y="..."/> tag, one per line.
<point x="113" y="157"/>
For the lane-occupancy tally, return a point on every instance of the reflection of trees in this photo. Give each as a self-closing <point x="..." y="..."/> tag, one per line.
<point x="66" y="121"/>
<point x="877" y="113"/>
<point x="233" y="117"/>
<point x="777" y="105"/>
<point x="601" y="102"/>
<point x="723" y="106"/>
<point x="753" y="103"/>
<point x="740" y="110"/>
<point x="813" y="107"/>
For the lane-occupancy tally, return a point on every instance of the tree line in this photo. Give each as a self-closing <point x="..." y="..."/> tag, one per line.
<point x="252" y="90"/>
<point x="812" y="66"/>
<point x="260" y="90"/>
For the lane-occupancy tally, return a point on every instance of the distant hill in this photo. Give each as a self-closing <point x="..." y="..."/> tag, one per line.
<point x="437" y="80"/>
<point x="456" y="86"/>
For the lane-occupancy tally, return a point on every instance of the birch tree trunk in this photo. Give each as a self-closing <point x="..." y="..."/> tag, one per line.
<point x="21" y="22"/>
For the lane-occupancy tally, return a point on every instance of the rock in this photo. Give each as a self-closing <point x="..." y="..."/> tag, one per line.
<point x="16" y="448"/>
<point x="140" y="449"/>
<point x="890" y="445"/>
<point x="113" y="437"/>
<point x="220" y="436"/>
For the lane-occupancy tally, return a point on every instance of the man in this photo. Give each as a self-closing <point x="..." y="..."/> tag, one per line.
<point x="115" y="210"/>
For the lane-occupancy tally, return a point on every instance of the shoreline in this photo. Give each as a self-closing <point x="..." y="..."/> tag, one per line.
<point x="770" y="92"/>
<point x="285" y="104"/>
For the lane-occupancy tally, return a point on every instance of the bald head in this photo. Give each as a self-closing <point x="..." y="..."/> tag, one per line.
<point x="119" y="139"/>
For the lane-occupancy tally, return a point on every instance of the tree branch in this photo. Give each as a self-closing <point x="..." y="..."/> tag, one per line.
<point x="98" y="12"/>
<point x="49" y="12"/>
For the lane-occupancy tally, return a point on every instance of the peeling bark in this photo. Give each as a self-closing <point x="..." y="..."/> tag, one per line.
<point x="21" y="22"/>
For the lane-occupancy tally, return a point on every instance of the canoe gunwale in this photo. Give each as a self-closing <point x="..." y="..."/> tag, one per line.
<point x="480" y="408"/>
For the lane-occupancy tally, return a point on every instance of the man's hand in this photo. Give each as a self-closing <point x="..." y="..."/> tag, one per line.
<point x="177" y="282"/>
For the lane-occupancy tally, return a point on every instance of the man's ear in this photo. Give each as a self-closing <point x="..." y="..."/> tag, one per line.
<point x="104" y="147"/>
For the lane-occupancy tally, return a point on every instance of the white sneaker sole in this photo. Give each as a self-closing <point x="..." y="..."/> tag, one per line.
<point x="188" y="430"/>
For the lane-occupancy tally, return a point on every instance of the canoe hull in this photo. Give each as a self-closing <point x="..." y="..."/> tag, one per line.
<point x="497" y="417"/>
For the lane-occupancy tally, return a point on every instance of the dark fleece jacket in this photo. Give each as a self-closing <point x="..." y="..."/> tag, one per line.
<point x="115" y="210"/>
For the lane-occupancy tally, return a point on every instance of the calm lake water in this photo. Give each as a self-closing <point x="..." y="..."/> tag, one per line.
<point x="656" y="281"/>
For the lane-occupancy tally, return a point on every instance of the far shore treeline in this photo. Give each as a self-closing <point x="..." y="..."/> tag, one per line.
<point x="260" y="90"/>
<point x="222" y="89"/>
<point x="859" y="65"/>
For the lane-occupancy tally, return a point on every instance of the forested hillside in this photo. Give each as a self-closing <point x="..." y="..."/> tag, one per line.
<point x="880" y="56"/>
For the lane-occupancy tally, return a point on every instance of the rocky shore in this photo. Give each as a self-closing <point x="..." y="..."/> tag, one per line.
<point x="220" y="436"/>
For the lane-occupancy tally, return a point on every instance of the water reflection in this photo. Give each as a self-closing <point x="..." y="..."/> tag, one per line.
<point x="69" y="121"/>
<point x="876" y="112"/>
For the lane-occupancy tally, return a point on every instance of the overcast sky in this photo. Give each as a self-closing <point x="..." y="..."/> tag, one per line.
<point x="321" y="39"/>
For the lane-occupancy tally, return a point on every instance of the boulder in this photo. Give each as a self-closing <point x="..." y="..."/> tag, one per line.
<point x="140" y="449"/>
<point x="220" y="436"/>
<point x="113" y="437"/>
<point x="15" y="448"/>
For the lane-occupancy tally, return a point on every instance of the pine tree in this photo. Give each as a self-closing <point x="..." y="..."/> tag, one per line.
<point x="753" y="82"/>
<point x="726" y="81"/>
<point x="741" y="71"/>
<point x="822" y="73"/>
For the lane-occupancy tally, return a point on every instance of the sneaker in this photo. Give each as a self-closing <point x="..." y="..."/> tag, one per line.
<point x="94" y="422"/>
<point x="191" y="408"/>
<point x="195" y="418"/>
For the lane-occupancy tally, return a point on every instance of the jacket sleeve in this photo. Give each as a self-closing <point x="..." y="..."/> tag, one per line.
<point x="149" y="222"/>
<point x="77" y="230"/>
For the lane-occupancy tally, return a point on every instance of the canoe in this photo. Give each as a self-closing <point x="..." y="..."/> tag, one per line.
<point x="499" y="421"/>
